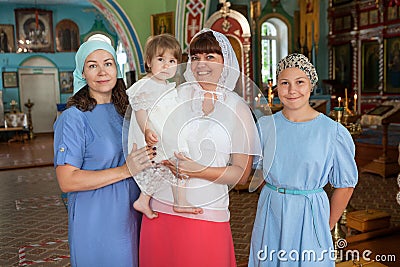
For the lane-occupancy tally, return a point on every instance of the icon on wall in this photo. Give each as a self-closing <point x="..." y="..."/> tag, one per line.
<point x="10" y="79"/>
<point x="370" y="67"/>
<point x="7" y="43"/>
<point x="67" y="36"/>
<point x="34" y="30"/>
<point x="392" y="66"/>
<point x="162" y="23"/>
<point x="66" y="82"/>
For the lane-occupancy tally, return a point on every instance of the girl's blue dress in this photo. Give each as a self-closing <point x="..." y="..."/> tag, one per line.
<point x="103" y="226"/>
<point x="293" y="230"/>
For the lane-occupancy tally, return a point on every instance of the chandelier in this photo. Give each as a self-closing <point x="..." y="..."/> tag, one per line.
<point x="34" y="33"/>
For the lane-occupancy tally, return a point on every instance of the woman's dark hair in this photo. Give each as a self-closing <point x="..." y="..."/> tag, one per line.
<point x="84" y="102"/>
<point x="205" y="43"/>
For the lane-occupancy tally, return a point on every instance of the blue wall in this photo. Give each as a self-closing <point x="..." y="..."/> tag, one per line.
<point x="83" y="16"/>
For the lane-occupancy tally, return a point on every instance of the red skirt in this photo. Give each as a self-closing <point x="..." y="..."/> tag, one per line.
<point x="177" y="241"/>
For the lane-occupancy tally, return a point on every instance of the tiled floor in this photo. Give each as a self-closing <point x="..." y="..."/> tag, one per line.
<point x="37" y="152"/>
<point x="32" y="214"/>
<point x="33" y="219"/>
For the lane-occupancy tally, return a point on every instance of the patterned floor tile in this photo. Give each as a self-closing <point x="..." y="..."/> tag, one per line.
<point x="33" y="220"/>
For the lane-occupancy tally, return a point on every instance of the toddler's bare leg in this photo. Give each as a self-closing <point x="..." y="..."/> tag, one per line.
<point x="181" y="204"/>
<point x="142" y="204"/>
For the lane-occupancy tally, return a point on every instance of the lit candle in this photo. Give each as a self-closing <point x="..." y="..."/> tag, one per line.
<point x="269" y="95"/>
<point x="339" y="99"/>
<point x="346" y="103"/>
<point x="272" y="99"/>
<point x="355" y="103"/>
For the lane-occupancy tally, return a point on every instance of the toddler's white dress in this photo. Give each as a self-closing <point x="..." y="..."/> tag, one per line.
<point x="161" y="102"/>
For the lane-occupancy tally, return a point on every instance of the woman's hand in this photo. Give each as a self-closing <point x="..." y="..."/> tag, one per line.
<point x="71" y="178"/>
<point x="185" y="166"/>
<point x="237" y="172"/>
<point x="139" y="159"/>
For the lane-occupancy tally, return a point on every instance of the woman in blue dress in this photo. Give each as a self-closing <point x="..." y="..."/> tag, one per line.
<point x="307" y="150"/>
<point x="90" y="163"/>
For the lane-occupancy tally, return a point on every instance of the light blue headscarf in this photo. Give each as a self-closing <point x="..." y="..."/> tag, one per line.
<point x="83" y="52"/>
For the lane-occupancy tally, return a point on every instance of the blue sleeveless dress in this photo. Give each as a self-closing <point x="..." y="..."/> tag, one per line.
<point x="103" y="226"/>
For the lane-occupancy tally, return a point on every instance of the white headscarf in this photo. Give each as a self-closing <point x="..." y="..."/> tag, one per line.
<point x="229" y="76"/>
<point x="231" y="112"/>
<point x="98" y="42"/>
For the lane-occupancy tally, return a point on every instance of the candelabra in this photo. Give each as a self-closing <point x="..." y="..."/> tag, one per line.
<point x="29" y="105"/>
<point x="338" y="235"/>
<point x="13" y="105"/>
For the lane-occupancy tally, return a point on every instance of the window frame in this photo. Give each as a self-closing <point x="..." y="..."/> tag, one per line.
<point x="284" y="23"/>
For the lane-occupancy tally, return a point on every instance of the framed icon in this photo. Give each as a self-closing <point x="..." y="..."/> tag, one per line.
<point x="162" y="23"/>
<point x="370" y="66"/>
<point x="67" y="36"/>
<point x="10" y="79"/>
<point x="7" y="43"/>
<point x="342" y="71"/>
<point x="392" y="65"/>
<point x="66" y="82"/>
<point x="34" y="30"/>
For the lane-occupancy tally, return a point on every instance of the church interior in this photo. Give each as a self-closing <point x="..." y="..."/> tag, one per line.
<point x="354" y="45"/>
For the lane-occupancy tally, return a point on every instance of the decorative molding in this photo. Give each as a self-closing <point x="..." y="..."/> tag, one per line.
<point x="235" y="15"/>
<point x="381" y="65"/>
<point x="393" y="30"/>
<point x="356" y="83"/>
<point x="125" y="30"/>
<point x="373" y="33"/>
<point x="190" y="16"/>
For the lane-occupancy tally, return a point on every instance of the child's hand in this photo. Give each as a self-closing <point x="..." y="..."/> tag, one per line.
<point x="150" y="137"/>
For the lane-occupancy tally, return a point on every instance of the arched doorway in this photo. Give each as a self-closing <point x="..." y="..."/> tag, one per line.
<point x="39" y="82"/>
